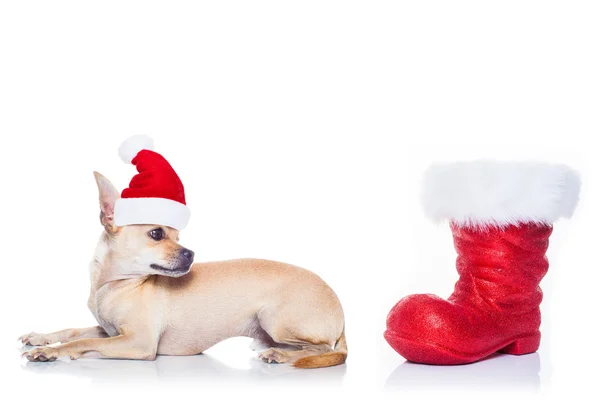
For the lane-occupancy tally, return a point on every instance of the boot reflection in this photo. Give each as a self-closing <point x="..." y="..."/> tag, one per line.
<point x="498" y="372"/>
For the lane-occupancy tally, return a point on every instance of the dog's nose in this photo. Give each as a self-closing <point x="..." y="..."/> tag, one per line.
<point x="188" y="254"/>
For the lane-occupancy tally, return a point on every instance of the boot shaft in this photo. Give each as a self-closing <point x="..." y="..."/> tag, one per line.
<point x="500" y="268"/>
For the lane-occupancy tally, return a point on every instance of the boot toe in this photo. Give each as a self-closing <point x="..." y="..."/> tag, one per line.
<point x="428" y="329"/>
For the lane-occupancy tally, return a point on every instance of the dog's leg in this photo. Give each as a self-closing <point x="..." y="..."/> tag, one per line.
<point x="311" y="344"/>
<point x="122" y="346"/>
<point x="67" y="335"/>
<point x="280" y="355"/>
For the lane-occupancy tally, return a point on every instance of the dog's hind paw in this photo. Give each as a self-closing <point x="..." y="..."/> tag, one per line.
<point x="35" y="339"/>
<point x="42" y="354"/>
<point x="274" y="356"/>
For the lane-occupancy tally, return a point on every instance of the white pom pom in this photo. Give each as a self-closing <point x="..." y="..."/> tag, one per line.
<point x="132" y="146"/>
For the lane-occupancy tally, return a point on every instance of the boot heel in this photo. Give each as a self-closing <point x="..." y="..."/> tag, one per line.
<point x="524" y="345"/>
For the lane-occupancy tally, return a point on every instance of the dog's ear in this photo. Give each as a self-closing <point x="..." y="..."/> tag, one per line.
<point x="108" y="196"/>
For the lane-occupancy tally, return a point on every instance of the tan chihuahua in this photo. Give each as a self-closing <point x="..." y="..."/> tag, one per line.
<point x="149" y="299"/>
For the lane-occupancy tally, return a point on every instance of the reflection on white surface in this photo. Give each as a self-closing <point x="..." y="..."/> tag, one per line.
<point x="199" y="369"/>
<point x="499" y="372"/>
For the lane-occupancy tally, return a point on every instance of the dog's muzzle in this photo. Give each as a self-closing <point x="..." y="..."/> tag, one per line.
<point x="183" y="265"/>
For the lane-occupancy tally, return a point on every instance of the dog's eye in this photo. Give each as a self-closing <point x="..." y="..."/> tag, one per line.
<point x="157" y="234"/>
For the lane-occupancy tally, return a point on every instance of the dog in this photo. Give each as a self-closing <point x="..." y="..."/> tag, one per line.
<point x="150" y="299"/>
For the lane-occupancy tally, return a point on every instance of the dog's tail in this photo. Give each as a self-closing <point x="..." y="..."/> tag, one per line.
<point x="329" y="359"/>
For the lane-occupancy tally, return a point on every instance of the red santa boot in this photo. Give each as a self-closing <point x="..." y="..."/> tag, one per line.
<point x="501" y="217"/>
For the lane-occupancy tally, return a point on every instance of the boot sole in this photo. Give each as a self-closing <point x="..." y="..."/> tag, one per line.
<point x="435" y="354"/>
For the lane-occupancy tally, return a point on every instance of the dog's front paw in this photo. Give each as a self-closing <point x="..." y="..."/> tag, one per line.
<point x="41" y="354"/>
<point x="35" y="339"/>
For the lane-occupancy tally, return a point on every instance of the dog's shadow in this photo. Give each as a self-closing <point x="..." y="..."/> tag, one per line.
<point x="499" y="372"/>
<point x="195" y="370"/>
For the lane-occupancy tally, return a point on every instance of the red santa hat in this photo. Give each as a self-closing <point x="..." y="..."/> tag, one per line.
<point x="155" y="195"/>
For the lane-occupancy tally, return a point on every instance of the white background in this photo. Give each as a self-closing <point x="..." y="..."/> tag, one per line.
<point x="301" y="130"/>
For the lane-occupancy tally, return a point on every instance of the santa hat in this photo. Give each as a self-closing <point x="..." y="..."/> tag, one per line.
<point x="155" y="195"/>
